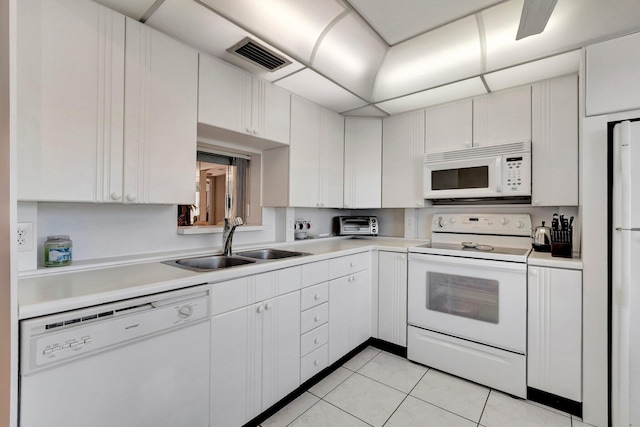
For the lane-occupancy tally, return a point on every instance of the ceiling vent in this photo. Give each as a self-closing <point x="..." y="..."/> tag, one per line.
<point x="259" y="55"/>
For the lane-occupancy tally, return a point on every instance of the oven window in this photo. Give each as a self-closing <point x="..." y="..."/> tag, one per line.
<point x="463" y="296"/>
<point x="460" y="178"/>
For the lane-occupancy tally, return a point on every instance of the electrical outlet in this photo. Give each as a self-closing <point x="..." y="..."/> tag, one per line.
<point x="25" y="236"/>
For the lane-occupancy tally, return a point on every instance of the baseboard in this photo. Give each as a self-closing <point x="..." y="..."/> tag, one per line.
<point x="557" y="402"/>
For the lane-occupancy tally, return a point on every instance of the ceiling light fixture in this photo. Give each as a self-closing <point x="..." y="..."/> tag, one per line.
<point x="535" y="15"/>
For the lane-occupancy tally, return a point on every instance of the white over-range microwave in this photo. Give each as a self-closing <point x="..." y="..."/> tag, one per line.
<point x="488" y="173"/>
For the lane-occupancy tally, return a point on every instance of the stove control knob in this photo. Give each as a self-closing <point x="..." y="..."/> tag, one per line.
<point x="504" y="221"/>
<point x="453" y="220"/>
<point x="519" y="224"/>
<point x="438" y="221"/>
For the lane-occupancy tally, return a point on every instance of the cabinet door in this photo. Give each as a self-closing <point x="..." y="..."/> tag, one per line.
<point x="449" y="126"/>
<point x="402" y="160"/>
<point x="236" y="357"/>
<point x="502" y="117"/>
<point x="392" y="297"/>
<point x="224" y="95"/>
<point x="70" y="52"/>
<point x="349" y="313"/>
<point x="362" y="163"/>
<point x="554" y="362"/>
<point x="304" y="152"/>
<point x="331" y="159"/>
<point x="281" y="348"/>
<point x="554" y="165"/>
<point x="270" y="112"/>
<point x="612" y="75"/>
<point x="161" y="87"/>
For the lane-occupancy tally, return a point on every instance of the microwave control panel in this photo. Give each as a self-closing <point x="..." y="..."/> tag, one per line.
<point x="516" y="175"/>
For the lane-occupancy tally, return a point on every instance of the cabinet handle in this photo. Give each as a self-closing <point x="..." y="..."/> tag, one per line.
<point x="260" y="309"/>
<point x="316" y="341"/>
<point x="316" y="319"/>
<point x="115" y="196"/>
<point x="352" y="264"/>
<point x="316" y="362"/>
<point x="316" y="297"/>
<point x="255" y="132"/>
<point x="267" y="306"/>
<point x="131" y="197"/>
<point x="533" y="271"/>
<point x="248" y="130"/>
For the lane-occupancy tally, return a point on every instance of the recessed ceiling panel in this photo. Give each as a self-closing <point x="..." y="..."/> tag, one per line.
<point x="399" y="20"/>
<point x="435" y="58"/>
<point x="439" y="95"/>
<point x="133" y="9"/>
<point x="573" y="24"/>
<point x="291" y="25"/>
<point x="316" y="88"/>
<point x="350" y="54"/>
<point x="367" y="111"/>
<point x="530" y="72"/>
<point x="208" y="32"/>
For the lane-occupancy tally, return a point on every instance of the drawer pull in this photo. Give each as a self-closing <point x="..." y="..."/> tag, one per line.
<point x="352" y="264"/>
<point x="268" y="306"/>
<point x="316" y="319"/>
<point x="316" y="297"/>
<point x="260" y="309"/>
<point x="316" y="362"/>
<point x="316" y="341"/>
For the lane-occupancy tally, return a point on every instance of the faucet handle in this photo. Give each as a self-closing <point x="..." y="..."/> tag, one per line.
<point x="237" y="221"/>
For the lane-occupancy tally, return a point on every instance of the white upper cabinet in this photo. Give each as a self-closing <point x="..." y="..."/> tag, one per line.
<point x="161" y="87"/>
<point x="554" y="143"/>
<point x="403" y="140"/>
<point x="70" y="100"/>
<point x="362" y="163"/>
<point x="87" y="134"/>
<point x="502" y="117"/>
<point x="612" y="75"/>
<point x="232" y="99"/>
<point x="449" y="126"/>
<point x="311" y="168"/>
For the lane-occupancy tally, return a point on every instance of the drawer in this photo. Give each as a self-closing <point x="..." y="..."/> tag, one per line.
<point x="314" y="362"/>
<point x="314" y="317"/>
<point x="315" y="272"/>
<point x="349" y="264"/>
<point x="314" y="295"/>
<point x="314" y="339"/>
<point x="229" y="295"/>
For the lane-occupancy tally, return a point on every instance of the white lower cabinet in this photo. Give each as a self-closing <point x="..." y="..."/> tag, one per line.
<point x="392" y="297"/>
<point x="554" y="360"/>
<point x="349" y="313"/>
<point x="255" y="358"/>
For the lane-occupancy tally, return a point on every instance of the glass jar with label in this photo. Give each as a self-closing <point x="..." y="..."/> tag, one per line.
<point x="57" y="251"/>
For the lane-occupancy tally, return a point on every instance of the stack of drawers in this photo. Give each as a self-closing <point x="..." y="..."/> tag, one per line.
<point x="314" y="329"/>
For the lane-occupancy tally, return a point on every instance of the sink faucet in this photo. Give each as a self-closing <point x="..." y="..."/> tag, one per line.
<point x="227" y="234"/>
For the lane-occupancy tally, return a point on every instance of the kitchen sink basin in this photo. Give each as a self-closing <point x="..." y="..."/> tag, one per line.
<point x="209" y="263"/>
<point x="265" y="254"/>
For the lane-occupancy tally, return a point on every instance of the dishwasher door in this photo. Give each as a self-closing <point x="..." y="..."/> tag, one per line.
<point x="144" y="362"/>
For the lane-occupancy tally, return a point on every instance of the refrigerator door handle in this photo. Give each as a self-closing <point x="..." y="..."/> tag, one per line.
<point x="627" y="229"/>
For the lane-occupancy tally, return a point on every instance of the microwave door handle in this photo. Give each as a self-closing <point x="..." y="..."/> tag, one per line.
<point x="498" y="175"/>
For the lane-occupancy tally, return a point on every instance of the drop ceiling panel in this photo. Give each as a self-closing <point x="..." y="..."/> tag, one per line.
<point x="439" y="95"/>
<point x="133" y="9"/>
<point x="449" y="53"/>
<point x="291" y="25"/>
<point x="208" y="32"/>
<point x="573" y="24"/>
<point x="350" y="54"/>
<point x="559" y="65"/>
<point x="316" y="88"/>
<point x="399" y="20"/>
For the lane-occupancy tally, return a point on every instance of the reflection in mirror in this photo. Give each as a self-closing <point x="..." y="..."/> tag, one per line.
<point x="222" y="185"/>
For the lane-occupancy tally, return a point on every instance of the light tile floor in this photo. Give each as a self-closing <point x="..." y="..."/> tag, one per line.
<point x="376" y="388"/>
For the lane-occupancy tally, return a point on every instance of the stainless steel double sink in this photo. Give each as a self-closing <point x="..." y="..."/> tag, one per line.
<point x="219" y="261"/>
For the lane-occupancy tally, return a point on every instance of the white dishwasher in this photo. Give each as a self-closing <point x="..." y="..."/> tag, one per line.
<point x="139" y="362"/>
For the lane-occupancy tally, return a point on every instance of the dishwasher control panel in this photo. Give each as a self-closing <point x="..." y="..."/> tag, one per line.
<point x="56" y="338"/>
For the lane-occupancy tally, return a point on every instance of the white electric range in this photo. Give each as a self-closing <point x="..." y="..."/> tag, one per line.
<point x="467" y="309"/>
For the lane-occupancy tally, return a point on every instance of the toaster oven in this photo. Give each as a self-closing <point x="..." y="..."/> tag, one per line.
<point x="356" y="225"/>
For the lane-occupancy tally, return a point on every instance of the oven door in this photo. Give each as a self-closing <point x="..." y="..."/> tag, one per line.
<point x="478" y="300"/>
<point x="467" y="178"/>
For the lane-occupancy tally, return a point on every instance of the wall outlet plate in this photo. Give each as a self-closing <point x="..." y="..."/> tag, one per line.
<point x="25" y="236"/>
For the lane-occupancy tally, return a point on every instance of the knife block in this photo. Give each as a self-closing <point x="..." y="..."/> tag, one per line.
<point x="562" y="243"/>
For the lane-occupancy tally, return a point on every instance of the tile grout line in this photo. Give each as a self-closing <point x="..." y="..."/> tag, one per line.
<point x="348" y="413"/>
<point x="405" y="397"/>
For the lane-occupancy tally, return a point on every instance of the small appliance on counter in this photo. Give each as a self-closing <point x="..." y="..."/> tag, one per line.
<point x="356" y="225"/>
<point x="301" y="229"/>
<point x="541" y="238"/>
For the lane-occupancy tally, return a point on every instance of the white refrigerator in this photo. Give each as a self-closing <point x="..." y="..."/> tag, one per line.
<point x="625" y="275"/>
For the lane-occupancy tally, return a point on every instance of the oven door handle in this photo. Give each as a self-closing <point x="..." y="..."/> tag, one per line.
<point x="468" y="262"/>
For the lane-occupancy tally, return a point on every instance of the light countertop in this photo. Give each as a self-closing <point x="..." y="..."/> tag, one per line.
<point x="544" y="259"/>
<point x="60" y="290"/>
